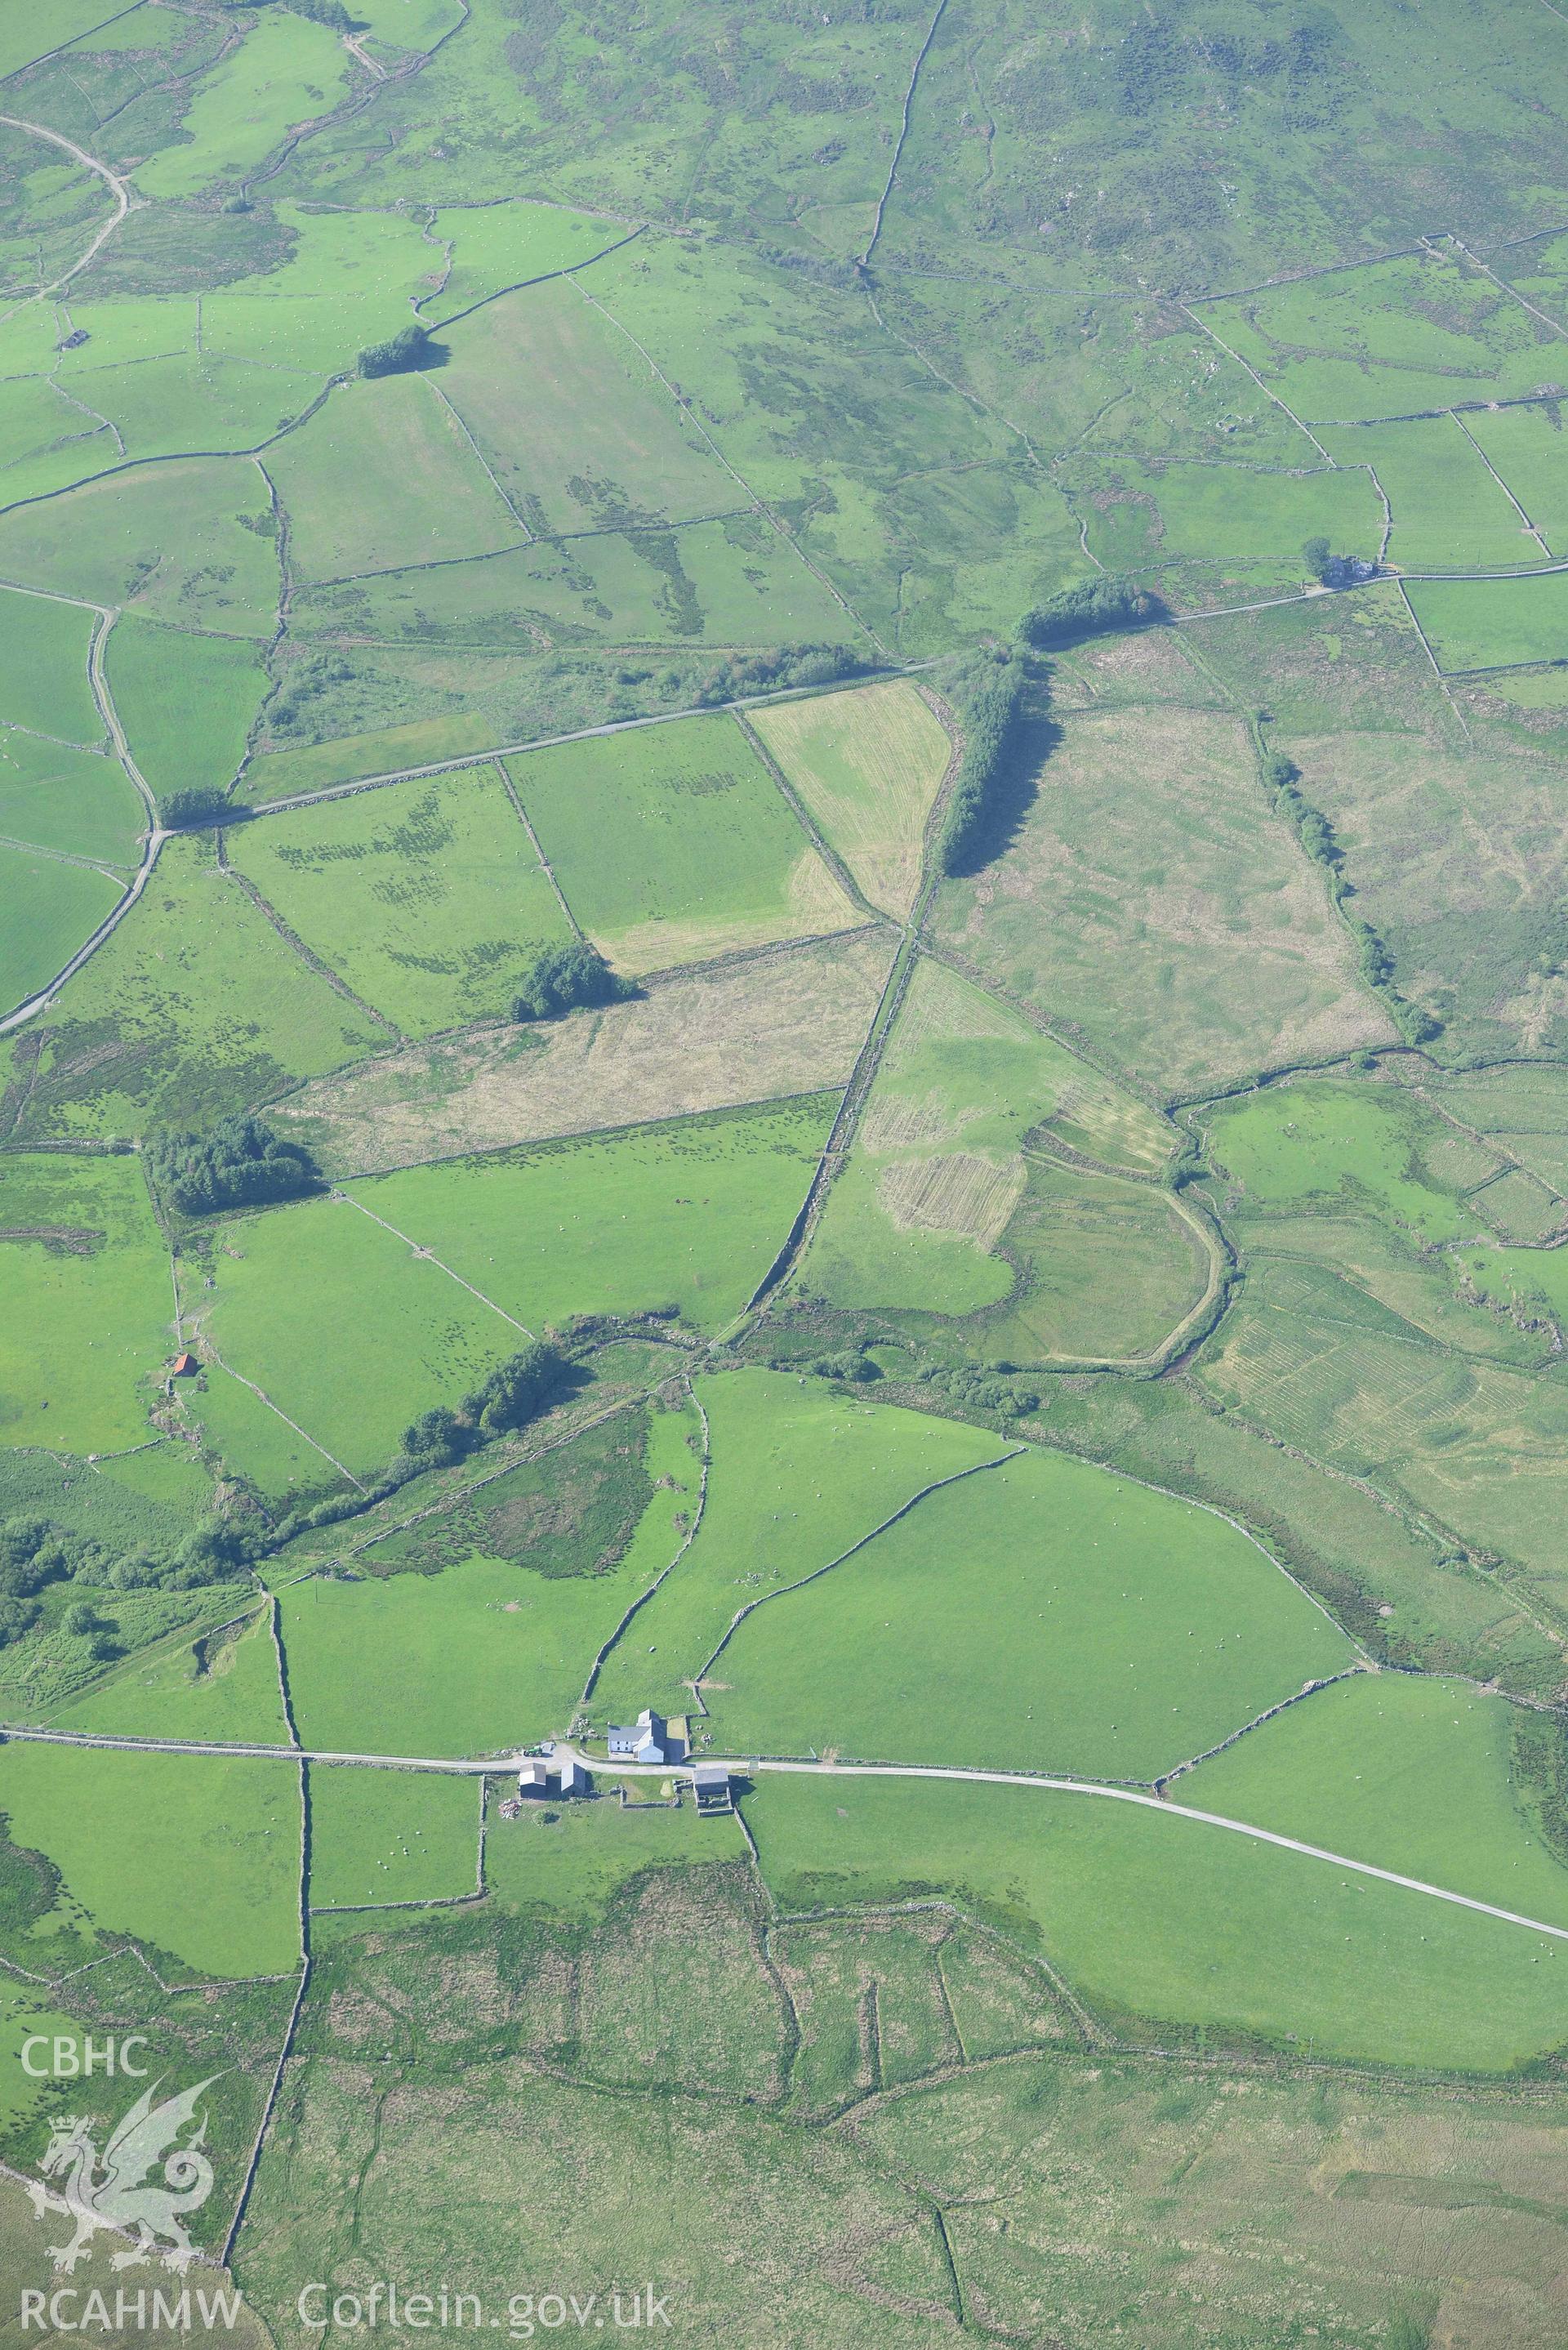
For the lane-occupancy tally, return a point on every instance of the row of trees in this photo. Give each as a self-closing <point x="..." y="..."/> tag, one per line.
<point x="990" y="724"/>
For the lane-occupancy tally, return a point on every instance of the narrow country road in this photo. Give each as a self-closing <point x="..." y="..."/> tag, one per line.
<point x="119" y="187"/>
<point x="496" y="1766"/>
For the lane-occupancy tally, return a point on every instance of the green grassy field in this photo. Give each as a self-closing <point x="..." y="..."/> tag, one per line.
<point x="767" y="1522"/>
<point x="427" y="898"/>
<point x="384" y="476"/>
<point x="497" y="246"/>
<point x="1524" y="444"/>
<point x="869" y="765"/>
<point x="170" y="541"/>
<point x="1487" y="623"/>
<point x="1142" y="513"/>
<point x="1392" y="338"/>
<point x="277" y="774"/>
<point x="576" y="1864"/>
<point x="252" y="1442"/>
<point x="1420" y="1776"/>
<point x="194" y="1007"/>
<point x="203" y="1863"/>
<point x="187" y="703"/>
<point x="1366" y="1148"/>
<point x="42" y="668"/>
<point x="675" y="843"/>
<point x="52" y="796"/>
<point x="95" y="1282"/>
<point x="687" y="1214"/>
<point x="380" y="1836"/>
<point x="1448" y="512"/>
<point x="1042" y="1616"/>
<point x="1150" y="906"/>
<point x="56" y="907"/>
<point x="1168" y="1919"/>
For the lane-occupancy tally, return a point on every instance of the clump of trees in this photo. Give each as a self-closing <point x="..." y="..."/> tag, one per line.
<point x="777" y="668"/>
<point x="240" y="1162"/>
<point x="1333" y="570"/>
<point x="194" y="810"/>
<point x="989" y="721"/>
<point x="1095" y="607"/>
<point x="1375" y="965"/>
<point x="408" y="348"/>
<point x="564" y="978"/>
<point x="35" y="1553"/>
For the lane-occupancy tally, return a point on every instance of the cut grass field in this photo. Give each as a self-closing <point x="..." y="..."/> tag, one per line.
<point x="94" y="1282"/>
<point x="51" y="909"/>
<point x="186" y="703"/>
<point x="193" y="1007"/>
<point x="427" y="898"/>
<point x="675" y="843"/>
<point x="52" y="796"/>
<point x="868" y="764"/>
<point x="791" y="1022"/>
<point x="380" y="1836"/>
<point x="384" y="476"/>
<point x="1418" y="1776"/>
<point x="1168" y="1919"/>
<point x="1149" y="905"/>
<point x="1044" y="1615"/>
<point x="43" y="668"/>
<point x="798" y="1473"/>
<point x="203" y="1865"/>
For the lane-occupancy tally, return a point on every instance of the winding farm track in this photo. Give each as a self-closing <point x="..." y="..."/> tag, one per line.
<point x="754" y="1766"/>
<point x="119" y="186"/>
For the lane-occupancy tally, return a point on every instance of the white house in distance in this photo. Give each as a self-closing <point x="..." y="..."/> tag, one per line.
<point x="650" y="1738"/>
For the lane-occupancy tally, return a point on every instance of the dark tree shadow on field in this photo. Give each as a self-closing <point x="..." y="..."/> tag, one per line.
<point x="1012" y="793"/>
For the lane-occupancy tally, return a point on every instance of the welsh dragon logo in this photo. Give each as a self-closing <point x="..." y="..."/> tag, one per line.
<point x="120" y="2191"/>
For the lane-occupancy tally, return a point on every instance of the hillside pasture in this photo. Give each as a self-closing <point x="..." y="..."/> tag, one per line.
<point x="385" y="475"/>
<point x="798" y="1473"/>
<point x="253" y="1442"/>
<point x="202" y="1867"/>
<point x="939" y="1210"/>
<point x="1481" y="624"/>
<point x="1150" y="906"/>
<point x="1416" y="1775"/>
<point x="78" y="802"/>
<point x="867" y="765"/>
<point x="51" y="908"/>
<point x="1150" y="1916"/>
<point x="1392" y="339"/>
<point x="674" y="844"/>
<point x="348" y="758"/>
<point x="1448" y="511"/>
<point x="1139" y="512"/>
<point x="574" y="422"/>
<point x="43" y="668"/>
<point x="187" y="702"/>
<point x="495" y="247"/>
<point x="1458" y="864"/>
<point x="171" y="541"/>
<point x="1046" y="1615"/>
<point x="286" y="70"/>
<point x="689" y="1212"/>
<point x="83" y="1270"/>
<point x="382" y="1836"/>
<point x="1522" y="1109"/>
<point x="195" y="1007"/>
<point x="1525" y="444"/>
<point x="790" y="1022"/>
<point x="428" y="898"/>
<point x="223" y="1685"/>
